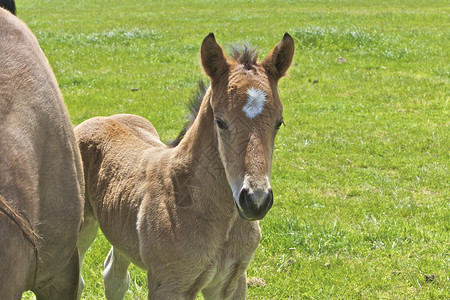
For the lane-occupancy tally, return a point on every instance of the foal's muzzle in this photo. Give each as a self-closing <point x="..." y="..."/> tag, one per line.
<point x="254" y="205"/>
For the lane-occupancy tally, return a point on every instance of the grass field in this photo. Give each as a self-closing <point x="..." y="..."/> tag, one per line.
<point x="360" y="175"/>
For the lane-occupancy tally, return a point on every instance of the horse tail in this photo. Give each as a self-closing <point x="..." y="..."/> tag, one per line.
<point x="9" y="5"/>
<point x="22" y="222"/>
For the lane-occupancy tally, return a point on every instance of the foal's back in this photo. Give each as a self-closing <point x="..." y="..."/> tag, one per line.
<point x="41" y="180"/>
<point x="115" y="128"/>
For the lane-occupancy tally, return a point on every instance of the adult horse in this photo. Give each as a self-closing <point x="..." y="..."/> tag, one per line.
<point x="188" y="214"/>
<point x="41" y="179"/>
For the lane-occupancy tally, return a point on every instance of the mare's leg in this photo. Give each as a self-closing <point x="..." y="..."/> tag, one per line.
<point x="14" y="260"/>
<point x="86" y="237"/>
<point x="64" y="283"/>
<point x="116" y="276"/>
<point x="234" y="290"/>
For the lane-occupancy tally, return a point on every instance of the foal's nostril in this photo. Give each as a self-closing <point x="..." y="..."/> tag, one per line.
<point x="269" y="199"/>
<point x="243" y="199"/>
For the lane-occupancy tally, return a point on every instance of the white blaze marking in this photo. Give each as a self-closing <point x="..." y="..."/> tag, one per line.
<point x="255" y="102"/>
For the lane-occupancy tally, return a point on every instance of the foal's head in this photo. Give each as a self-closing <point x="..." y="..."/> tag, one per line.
<point x="248" y="113"/>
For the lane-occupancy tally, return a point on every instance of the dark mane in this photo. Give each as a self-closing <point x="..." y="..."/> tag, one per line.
<point x="9" y="5"/>
<point x="194" y="107"/>
<point x="244" y="54"/>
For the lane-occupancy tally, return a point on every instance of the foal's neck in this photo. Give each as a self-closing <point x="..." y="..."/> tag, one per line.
<point x="201" y="135"/>
<point x="199" y="151"/>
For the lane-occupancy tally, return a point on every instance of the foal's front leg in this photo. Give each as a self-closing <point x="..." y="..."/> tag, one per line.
<point x="241" y="288"/>
<point x="116" y="275"/>
<point x="234" y="291"/>
<point x="168" y="289"/>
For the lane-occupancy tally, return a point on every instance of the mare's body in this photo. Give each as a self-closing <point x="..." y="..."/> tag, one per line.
<point x="41" y="179"/>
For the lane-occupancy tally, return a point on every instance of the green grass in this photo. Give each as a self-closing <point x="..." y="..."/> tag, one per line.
<point x="360" y="174"/>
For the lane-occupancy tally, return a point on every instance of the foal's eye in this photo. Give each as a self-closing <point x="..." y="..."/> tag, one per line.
<point x="279" y="125"/>
<point x="221" y="124"/>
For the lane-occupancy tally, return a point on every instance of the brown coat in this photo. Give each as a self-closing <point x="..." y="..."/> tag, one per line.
<point x="41" y="180"/>
<point x="187" y="214"/>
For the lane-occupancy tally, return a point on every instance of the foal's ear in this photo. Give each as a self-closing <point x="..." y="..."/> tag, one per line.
<point x="278" y="61"/>
<point x="213" y="59"/>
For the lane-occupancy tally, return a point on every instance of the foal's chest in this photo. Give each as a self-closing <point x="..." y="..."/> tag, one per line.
<point x="233" y="257"/>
